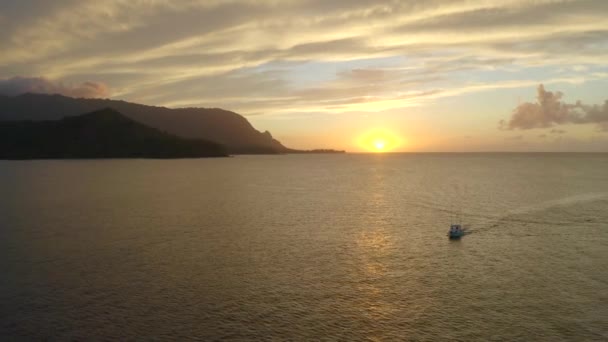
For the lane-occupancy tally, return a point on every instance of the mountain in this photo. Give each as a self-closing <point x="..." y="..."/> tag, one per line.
<point x="225" y="127"/>
<point x="101" y="134"/>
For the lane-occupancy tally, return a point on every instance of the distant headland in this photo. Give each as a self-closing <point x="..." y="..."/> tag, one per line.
<point x="315" y="151"/>
<point x="104" y="133"/>
<point x="29" y="119"/>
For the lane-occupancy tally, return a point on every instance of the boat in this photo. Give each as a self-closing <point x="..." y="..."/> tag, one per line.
<point x="456" y="231"/>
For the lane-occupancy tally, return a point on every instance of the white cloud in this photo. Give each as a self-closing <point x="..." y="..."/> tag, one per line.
<point x="549" y="110"/>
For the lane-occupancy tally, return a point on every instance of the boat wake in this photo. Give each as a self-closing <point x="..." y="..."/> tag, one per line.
<point x="518" y="215"/>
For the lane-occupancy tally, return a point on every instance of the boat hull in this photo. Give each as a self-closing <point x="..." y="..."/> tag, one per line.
<point x="455" y="236"/>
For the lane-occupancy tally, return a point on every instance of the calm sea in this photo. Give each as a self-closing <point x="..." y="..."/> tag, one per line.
<point x="306" y="247"/>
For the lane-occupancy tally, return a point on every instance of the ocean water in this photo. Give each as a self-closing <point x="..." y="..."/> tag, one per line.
<point x="306" y="247"/>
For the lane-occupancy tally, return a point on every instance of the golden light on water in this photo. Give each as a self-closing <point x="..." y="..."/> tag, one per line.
<point x="379" y="140"/>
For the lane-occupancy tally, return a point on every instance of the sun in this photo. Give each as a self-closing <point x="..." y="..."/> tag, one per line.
<point x="379" y="145"/>
<point x="379" y="140"/>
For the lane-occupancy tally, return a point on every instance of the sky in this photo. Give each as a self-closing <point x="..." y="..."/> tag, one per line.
<point x="412" y="76"/>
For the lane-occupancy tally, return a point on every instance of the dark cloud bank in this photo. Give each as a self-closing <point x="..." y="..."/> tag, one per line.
<point x="20" y="85"/>
<point x="549" y="110"/>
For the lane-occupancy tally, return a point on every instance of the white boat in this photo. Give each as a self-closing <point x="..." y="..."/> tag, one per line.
<point x="456" y="231"/>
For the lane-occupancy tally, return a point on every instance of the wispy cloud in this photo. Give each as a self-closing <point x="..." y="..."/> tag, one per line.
<point x="217" y="53"/>
<point x="19" y="85"/>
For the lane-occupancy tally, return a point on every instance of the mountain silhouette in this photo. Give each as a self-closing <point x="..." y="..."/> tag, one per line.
<point x="104" y="133"/>
<point x="225" y="127"/>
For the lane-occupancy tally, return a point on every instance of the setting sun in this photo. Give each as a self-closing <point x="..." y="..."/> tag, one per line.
<point x="379" y="140"/>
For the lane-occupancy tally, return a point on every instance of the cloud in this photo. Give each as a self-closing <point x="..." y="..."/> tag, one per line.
<point x="292" y="29"/>
<point x="549" y="110"/>
<point x="20" y="85"/>
<point x="268" y="91"/>
<point x="196" y="52"/>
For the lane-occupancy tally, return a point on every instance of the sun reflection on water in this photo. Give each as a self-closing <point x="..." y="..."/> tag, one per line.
<point x="375" y="248"/>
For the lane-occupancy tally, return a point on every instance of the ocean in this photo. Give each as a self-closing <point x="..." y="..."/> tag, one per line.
<point x="306" y="247"/>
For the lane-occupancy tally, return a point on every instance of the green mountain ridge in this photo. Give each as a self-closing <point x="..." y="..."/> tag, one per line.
<point x="224" y="127"/>
<point x="105" y="133"/>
